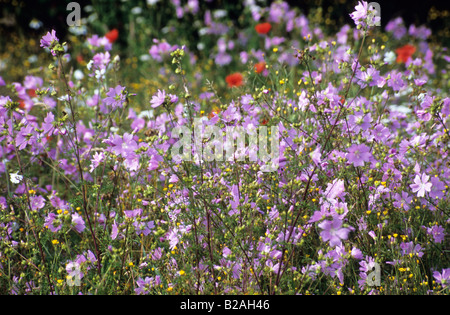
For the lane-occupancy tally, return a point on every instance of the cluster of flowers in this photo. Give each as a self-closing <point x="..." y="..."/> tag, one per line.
<point x="363" y="170"/>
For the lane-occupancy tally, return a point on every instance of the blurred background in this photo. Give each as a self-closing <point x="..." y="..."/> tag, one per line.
<point x="136" y="23"/>
<point x="16" y="15"/>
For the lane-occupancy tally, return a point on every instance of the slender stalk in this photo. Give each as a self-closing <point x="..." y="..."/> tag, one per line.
<point x="210" y="249"/>
<point x="279" y="274"/>
<point x="80" y="169"/>
<point x="36" y="235"/>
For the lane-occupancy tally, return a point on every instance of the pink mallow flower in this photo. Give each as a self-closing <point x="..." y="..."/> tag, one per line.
<point x="358" y="154"/>
<point x="37" y="203"/>
<point x="96" y="160"/>
<point x="123" y="146"/>
<point x="115" y="97"/>
<point x="49" y="125"/>
<point x="442" y="277"/>
<point x="26" y="136"/>
<point x="158" y="99"/>
<point x="52" y="223"/>
<point x="333" y="231"/>
<point x="437" y="232"/>
<point x="78" y="223"/>
<point x="421" y="185"/>
<point x="49" y="40"/>
<point x="364" y="15"/>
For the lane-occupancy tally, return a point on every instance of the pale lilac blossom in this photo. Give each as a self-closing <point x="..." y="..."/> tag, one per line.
<point x="421" y="185"/>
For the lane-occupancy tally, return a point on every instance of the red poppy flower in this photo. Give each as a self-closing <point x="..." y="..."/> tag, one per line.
<point x="235" y="79"/>
<point x="260" y="67"/>
<point x="112" y="35"/>
<point x="80" y="58"/>
<point x="21" y="104"/>
<point x="263" y="28"/>
<point x="31" y="93"/>
<point x="405" y="52"/>
<point x="214" y="112"/>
